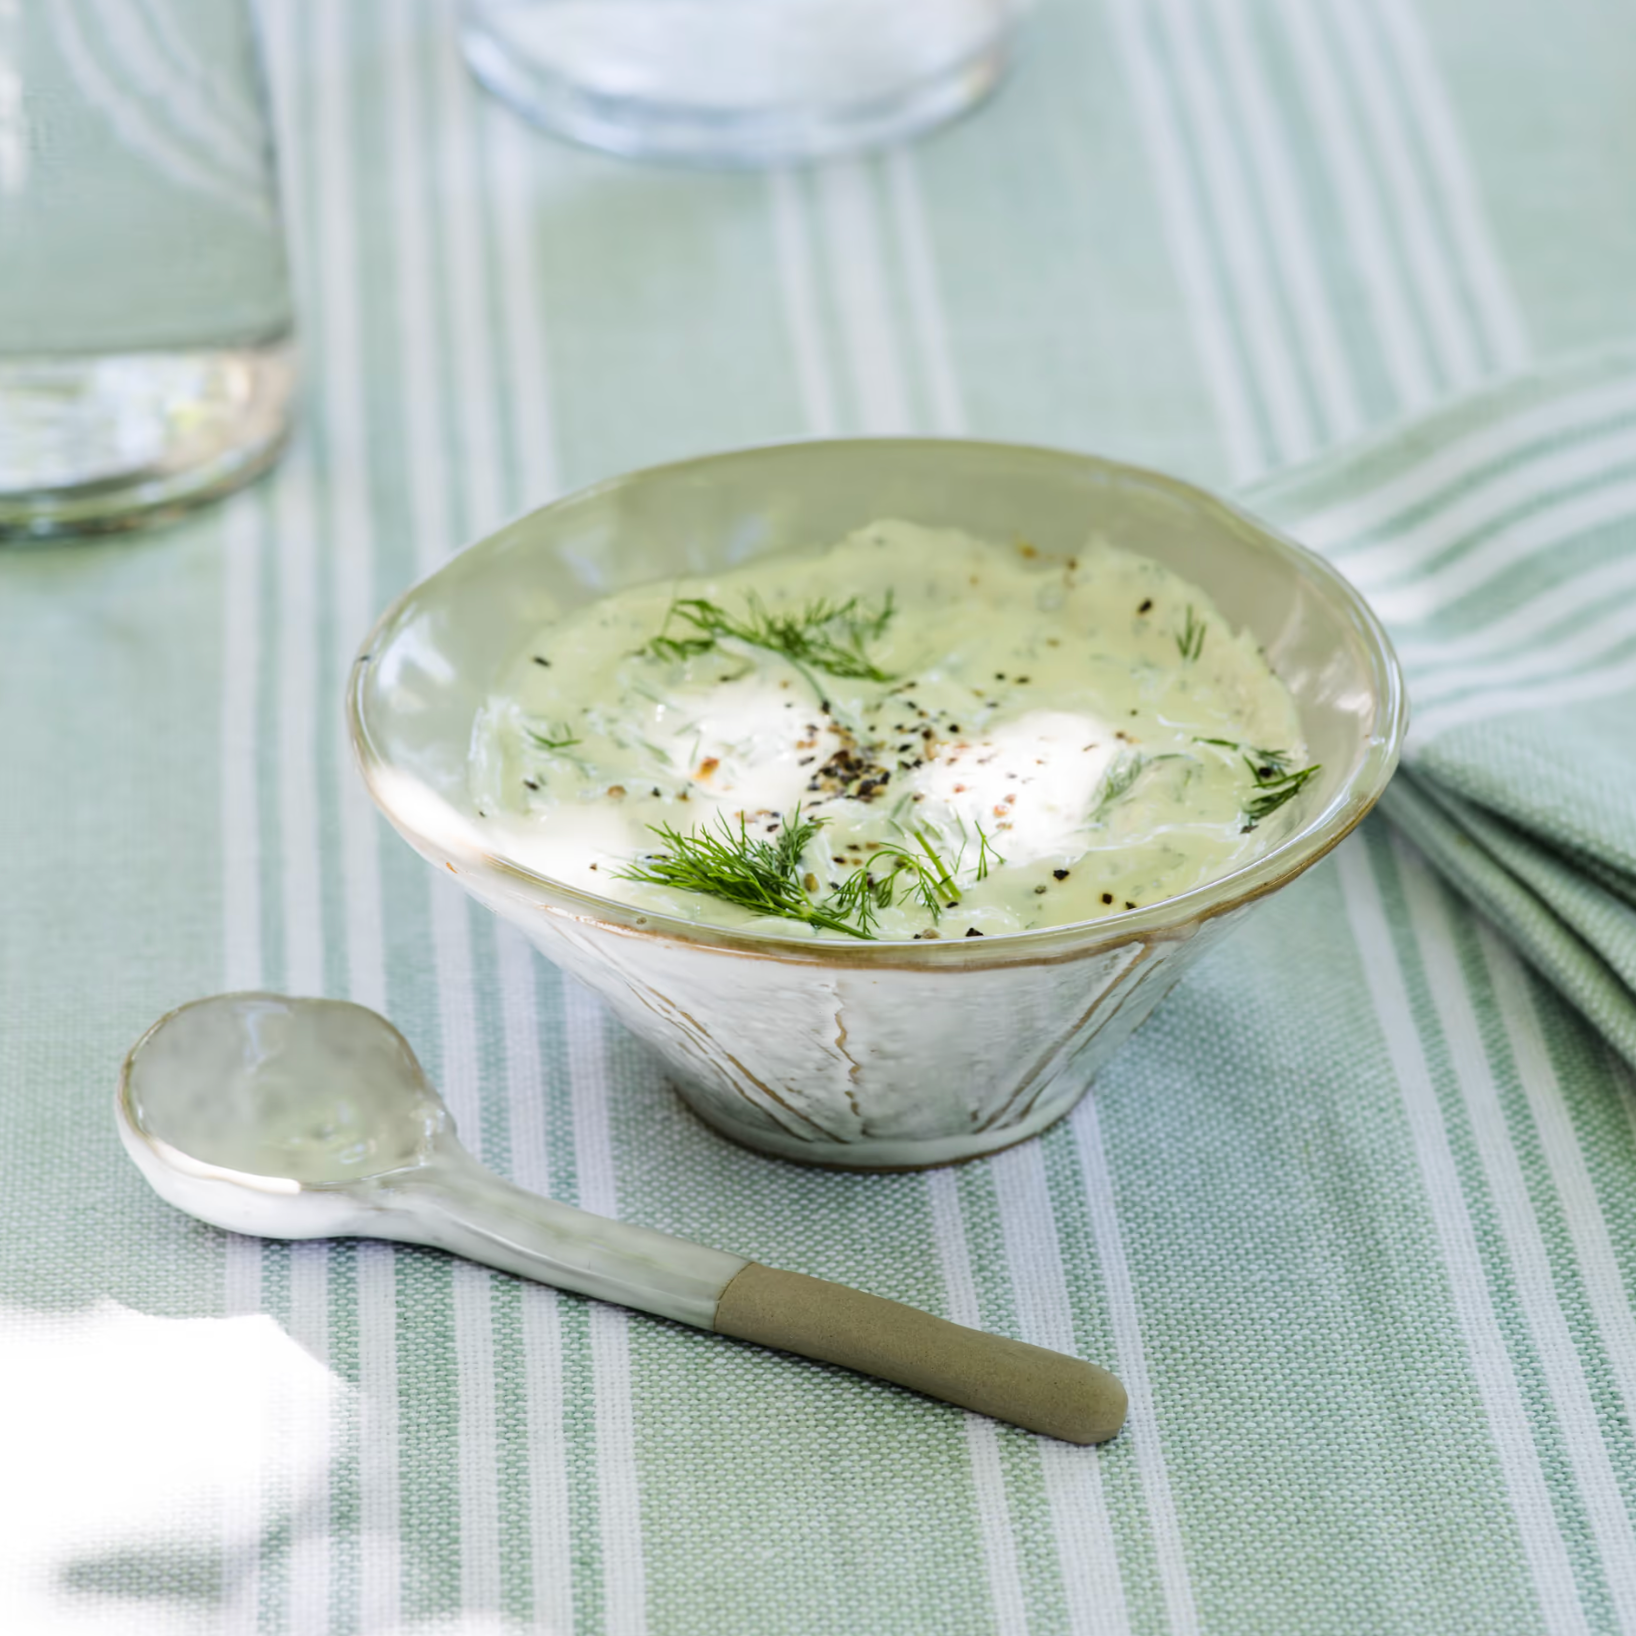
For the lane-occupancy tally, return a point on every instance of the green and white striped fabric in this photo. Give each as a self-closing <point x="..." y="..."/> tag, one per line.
<point x="1499" y="539"/>
<point x="1352" y="1216"/>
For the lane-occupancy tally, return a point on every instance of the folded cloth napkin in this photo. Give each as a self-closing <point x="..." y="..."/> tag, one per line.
<point x="1496" y="537"/>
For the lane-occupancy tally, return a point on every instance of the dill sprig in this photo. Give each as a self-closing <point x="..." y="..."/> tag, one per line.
<point x="1190" y="641"/>
<point x="1277" y="781"/>
<point x="762" y="876"/>
<point x="766" y="877"/>
<point x="859" y="896"/>
<point x="1117" y="783"/>
<point x="1274" y="790"/>
<point x="556" y="738"/>
<point x="931" y="877"/>
<point x="823" y="635"/>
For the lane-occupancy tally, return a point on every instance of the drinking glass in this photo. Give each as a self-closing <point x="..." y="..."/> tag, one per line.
<point x="738" y="82"/>
<point x="146" y="360"/>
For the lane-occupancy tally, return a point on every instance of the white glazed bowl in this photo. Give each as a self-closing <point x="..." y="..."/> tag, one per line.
<point x="864" y="1055"/>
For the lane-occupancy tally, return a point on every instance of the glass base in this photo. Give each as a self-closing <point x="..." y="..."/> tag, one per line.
<point x="738" y="83"/>
<point x="96" y="443"/>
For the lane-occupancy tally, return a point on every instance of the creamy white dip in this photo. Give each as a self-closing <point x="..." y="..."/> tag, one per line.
<point x="1022" y="741"/>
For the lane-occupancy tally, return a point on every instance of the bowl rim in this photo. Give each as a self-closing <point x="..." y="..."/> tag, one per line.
<point x="1174" y="917"/>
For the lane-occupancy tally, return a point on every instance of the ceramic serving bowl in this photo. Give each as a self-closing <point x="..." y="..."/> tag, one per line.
<point x="864" y="1055"/>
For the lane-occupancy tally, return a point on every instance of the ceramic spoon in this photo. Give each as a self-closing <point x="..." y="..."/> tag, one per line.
<point x="312" y="1119"/>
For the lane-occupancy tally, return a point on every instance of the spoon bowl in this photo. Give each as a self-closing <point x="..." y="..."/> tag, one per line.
<point x="255" y="1111"/>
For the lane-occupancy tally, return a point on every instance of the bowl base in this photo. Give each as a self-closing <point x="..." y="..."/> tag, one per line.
<point x="887" y="1157"/>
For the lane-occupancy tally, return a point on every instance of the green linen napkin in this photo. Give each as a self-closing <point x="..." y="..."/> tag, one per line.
<point x="1497" y="538"/>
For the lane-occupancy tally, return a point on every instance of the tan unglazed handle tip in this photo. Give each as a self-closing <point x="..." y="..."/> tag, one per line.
<point x="1026" y="1385"/>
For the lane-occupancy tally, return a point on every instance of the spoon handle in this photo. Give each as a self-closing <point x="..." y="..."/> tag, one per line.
<point x="1029" y="1386"/>
<point x="455" y="1204"/>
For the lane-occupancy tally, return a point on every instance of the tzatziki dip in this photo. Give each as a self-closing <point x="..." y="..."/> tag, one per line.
<point x="913" y="734"/>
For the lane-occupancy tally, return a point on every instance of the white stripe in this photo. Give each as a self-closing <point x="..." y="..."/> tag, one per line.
<point x="138" y="134"/>
<point x="298" y="717"/>
<point x="1599" y="1268"/>
<point x="624" y="1572"/>
<point x="240" y="809"/>
<point x="1570" y="656"/>
<point x="1507" y="636"/>
<point x="1512" y="1437"/>
<point x="533" y="427"/>
<point x="380" y="1494"/>
<point x="1401" y="347"/>
<point x="175" y="96"/>
<point x="982" y="1439"/>
<point x="1249" y="270"/>
<point x="550" y="1540"/>
<point x="1092" y="1588"/>
<point x="1408" y="550"/>
<point x="1452" y="342"/>
<point x="1182" y="211"/>
<point x="308" y="1590"/>
<point x="925" y="299"/>
<point x="792" y="246"/>
<point x="215" y="80"/>
<point x="1280" y="193"/>
<point x="1549" y="527"/>
<point x="441" y="130"/>
<point x="427" y="481"/>
<point x="330" y="249"/>
<point x="477" y="1419"/>
<point x="1455" y="460"/>
<point x="1534" y="1282"/>
<point x="478" y="1472"/>
<point x="1485" y="273"/>
<point x="309" y="1579"/>
<point x="534" y="459"/>
<point x="241" y="967"/>
<point x="1537" y="698"/>
<point x="243" y="1508"/>
<point x="1142" y="1426"/>
<point x="857" y="277"/>
<point x="351" y="541"/>
<point x="471" y="357"/>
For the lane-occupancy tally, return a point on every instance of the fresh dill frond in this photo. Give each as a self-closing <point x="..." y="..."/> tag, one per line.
<point x="678" y="647"/>
<point x="823" y="635"/>
<point x="1273" y="791"/>
<point x="1263" y="764"/>
<point x="762" y="876"/>
<point x="939" y="871"/>
<point x="555" y="737"/>
<point x="1117" y="783"/>
<point x="859" y="896"/>
<point x="766" y="876"/>
<point x="1190" y="642"/>
<point x="985" y="853"/>
<point x="927" y="875"/>
<point x="1277" y="781"/>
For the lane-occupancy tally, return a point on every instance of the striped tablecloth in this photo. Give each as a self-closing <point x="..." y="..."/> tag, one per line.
<point x="1352" y="1216"/>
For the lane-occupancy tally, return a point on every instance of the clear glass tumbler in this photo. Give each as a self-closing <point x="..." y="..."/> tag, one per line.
<point x="146" y="360"/>
<point x="738" y="82"/>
